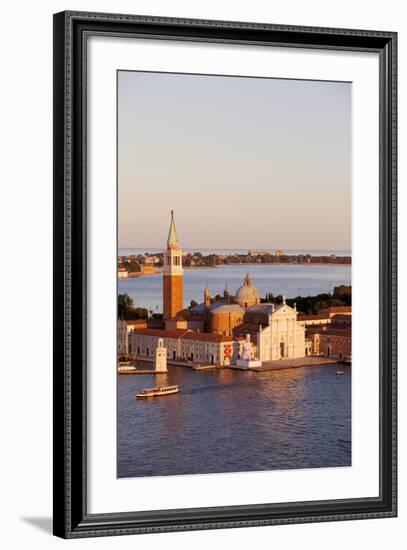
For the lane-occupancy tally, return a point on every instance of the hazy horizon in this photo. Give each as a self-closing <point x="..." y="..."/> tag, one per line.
<point x="206" y="249"/>
<point x="245" y="163"/>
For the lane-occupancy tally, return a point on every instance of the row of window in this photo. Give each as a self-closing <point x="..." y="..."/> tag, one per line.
<point x="177" y="260"/>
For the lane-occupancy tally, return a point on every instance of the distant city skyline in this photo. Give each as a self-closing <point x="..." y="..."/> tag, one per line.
<point x="245" y="163"/>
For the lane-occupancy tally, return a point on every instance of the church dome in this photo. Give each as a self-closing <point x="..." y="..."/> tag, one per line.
<point x="247" y="295"/>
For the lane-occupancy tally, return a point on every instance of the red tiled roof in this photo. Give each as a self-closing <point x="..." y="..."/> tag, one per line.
<point x="177" y="318"/>
<point x="207" y="337"/>
<point x="342" y="317"/>
<point x="336" y="309"/>
<point x="161" y="333"/>
<point x="247" y="327"/>
<point x="303" y="317"/>
<point x="338" y="332"/>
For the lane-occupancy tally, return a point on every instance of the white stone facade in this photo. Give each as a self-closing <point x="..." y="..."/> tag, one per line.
<point x="283" y="337"/>
<point x="122" y="338"/>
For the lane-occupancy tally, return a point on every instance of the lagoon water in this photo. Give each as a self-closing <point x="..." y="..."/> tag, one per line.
<point x="234" y="421"/>
<point x="290" y="280"/>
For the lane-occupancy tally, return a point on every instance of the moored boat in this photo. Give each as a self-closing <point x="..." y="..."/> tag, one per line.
<point x="155" y="392"/>
<point x="126" y="367"/>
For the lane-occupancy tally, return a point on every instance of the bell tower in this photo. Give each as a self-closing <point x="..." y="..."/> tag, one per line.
<point x="207" y="296"/>
<point x="226" y="293"/>
<point x="172" y="274"/>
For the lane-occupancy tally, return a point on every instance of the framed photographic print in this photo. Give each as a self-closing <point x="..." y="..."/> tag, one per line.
<point x="224" y="274"/>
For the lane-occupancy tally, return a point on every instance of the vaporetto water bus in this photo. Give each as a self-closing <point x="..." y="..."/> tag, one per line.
<point x="155" y="392"/>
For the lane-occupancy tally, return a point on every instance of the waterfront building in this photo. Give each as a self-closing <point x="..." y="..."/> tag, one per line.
<point x="122" y="273"/>
<point x="213" y="349"/>
<point x="172" y="274"/>
<point x="312" y="320"/>
<point x="143" y="342"/>
<point x="336" y="342"/>
<point x="185" y="345"/>
<point x="333" y="339"/>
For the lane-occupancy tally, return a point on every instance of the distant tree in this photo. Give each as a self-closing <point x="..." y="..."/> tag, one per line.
<point x="193" y="303"/>
<point x="136" y="313"/>
<point x="342" y="290"/>
<point x="269" y="297"/>
<point x="313" y="304"/>
<point x="320" y="304"/>
<point x="124" y="304"/>
<point x="218" y="298"/>
<point x="343" y="293"/>
<point x="132" y="266"/>
<point x="335" y="303"/>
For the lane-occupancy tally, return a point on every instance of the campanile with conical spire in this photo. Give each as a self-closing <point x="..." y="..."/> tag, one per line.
<point x="172" y="274"/>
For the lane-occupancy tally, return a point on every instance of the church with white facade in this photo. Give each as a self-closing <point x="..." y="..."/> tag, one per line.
<point x="215" y="331"/>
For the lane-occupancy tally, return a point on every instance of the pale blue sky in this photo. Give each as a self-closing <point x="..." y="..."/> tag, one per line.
<point x="243" y="162"/>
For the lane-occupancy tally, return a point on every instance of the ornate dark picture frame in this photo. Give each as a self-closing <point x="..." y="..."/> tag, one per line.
<point x="71" y="518"/>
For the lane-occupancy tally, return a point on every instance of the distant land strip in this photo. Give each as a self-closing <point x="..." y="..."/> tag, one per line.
<point x="149" y="263"/>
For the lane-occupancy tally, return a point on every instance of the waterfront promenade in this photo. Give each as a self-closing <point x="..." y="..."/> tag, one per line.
<point x="308" y="361"/>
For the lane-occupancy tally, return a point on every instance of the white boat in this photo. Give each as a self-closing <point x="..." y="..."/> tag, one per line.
<point x="155" y="392"/>
<point x="126" y="368"/>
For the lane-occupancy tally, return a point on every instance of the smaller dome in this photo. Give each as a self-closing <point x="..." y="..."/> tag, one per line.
<point x="226" y="308"/>
<point x="247" y="295"/>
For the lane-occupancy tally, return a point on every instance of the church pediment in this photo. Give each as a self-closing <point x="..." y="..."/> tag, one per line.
<point x="284" y="310"/>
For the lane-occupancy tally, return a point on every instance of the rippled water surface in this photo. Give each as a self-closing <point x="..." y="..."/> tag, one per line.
<point x="233" y="421"/>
